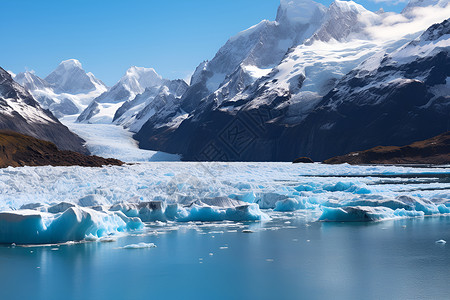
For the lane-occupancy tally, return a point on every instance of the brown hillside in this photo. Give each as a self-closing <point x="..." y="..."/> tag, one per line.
<point x="19" y="150"/>
<point x="432" y="151"/>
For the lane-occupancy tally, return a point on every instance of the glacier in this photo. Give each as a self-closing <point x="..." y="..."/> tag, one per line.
<point x="41" y="205"/>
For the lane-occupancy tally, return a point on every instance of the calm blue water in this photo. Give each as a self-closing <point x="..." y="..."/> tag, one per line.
<point x="387" y="260"/>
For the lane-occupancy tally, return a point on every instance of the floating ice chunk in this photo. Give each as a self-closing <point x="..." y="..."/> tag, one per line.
<point x="249" y="212"/>
<point x="443" y="242"/>
<point x="91" y="238"/>
<point x="355" y="214"/>
<point x="269" y="200"/>
<point x="288" y="205"/>
<point x="389" y="203"/>
<point x="349" y="187"/>
<point x="139" y="246"/>
<point x="365" y="214"/>
<point x="443" y="209"/>
<point x="74" y="224"/>
<point x="129" y="209"/>
<point x="152" y="211"/>
<point x="408" y="213"/>
<point x="222" y="202"/>
<point x="108" y="239"/>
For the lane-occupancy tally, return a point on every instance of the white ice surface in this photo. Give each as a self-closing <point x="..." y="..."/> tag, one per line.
<point x="108" y="140"/>
<point x="69" y="203"/>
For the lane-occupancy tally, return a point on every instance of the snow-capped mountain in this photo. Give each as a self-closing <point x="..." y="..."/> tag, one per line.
<point x="253" y="52"/>
<point x="65" y="91"/>
<point x="276" y="101"/>
<point x="69" y="77"/>
<point x="153" y="101"/>
<point x="134" y="92"/>
<point x="21" y="113"/>
<point x="393" y="99"/>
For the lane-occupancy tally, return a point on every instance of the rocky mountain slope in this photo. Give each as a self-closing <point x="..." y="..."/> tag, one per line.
<point x="311" y="103"/>
<point x="17" y="150"/>
<point x="394" y="99"/>
<point x="432" y="151"/>
<point x="21" y="113"/>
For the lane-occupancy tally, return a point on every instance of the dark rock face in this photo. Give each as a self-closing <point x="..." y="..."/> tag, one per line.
<point x="397" y="103"/>
<point x="19" y="150"/>
<point x="21" y="113"/>
<point x="395" y="113"/>
<point x="303" y="160"/>
<point x="432" y="151"/>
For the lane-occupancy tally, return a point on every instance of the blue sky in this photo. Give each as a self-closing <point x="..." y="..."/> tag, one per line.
<point x="172" y="36"/>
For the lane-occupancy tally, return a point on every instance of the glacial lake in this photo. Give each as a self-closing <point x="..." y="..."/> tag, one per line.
<point x="285" y="258"/>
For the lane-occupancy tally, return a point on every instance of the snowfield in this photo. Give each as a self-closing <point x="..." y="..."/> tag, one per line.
<point x="108" y="140"/>
<point x="59" y="204"/>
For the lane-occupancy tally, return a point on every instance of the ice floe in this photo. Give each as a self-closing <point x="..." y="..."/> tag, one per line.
<point x="58" y="204"/>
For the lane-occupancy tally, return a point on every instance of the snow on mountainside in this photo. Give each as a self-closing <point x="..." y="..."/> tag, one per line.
<point x="123" y="102"/>
<point x="405" y="93"/>
<point x="69" y="77"/>
<point x="253" y="51"/>
<point x="153" y="101"/>
<point x="21" y="113"/>
<point x="134" y="82"/>
<point x="286" y="94"/>
<point x="66" y="91"/>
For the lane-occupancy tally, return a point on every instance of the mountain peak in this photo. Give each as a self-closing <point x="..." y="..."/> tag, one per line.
<point x="139" y="71"/>
<point x="70" y="64"/>
<point x="342" y="19"/>
<point x="413" y="4"/>
<point x="69" y="77"/>
<point x="139" y="78"/>
<point x="347" y="6"/>
<point x="298" y="11"/>
<point x="29" y="80"/>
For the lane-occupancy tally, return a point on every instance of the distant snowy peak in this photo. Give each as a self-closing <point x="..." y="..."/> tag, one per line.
<point x="138" y="88"/>
<point x="134" y="82"/>
<point x="413" y="4"/>
<point x="299" y="11"/>
<point x="30" y="81"/>
<point x="137" y="79"/>
<point x="435" y="39"/>
<point x="153" y="101"/>
<point x="253" y="52"/>
<point x="66" y="91"/>
<point x="69" y="77"/>
<point x="342" y="19"/>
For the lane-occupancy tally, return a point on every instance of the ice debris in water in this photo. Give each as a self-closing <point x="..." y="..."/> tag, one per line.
<point x="443" y="242"/>
<point x="139" y="246"/>
<point x="91" y="203"/>
<point x="73" y="223"/>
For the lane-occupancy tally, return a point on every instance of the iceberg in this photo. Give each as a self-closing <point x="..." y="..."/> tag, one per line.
<point x="60" y="204"/>
<point x="74" y="224"/>
<point x="364" y="214"/>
